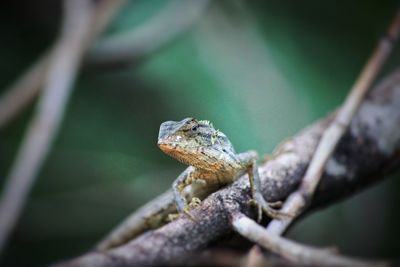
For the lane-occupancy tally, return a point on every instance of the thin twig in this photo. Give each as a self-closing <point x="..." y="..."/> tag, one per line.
<point x="293" y="251"/>
<point x="46" y="121"/>
<point x="20" y="94"/>
<point x="270" y="260"/>
<point x="255" y="257"/>
<point x="297" y="201"/>
<point x="157" y="32"/>
<point x="143" y="41"/>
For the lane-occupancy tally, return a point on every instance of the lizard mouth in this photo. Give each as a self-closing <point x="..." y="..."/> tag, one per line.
<point x="173" y="151"/>
<point x="164" y="147"/>
<point x="169" y="149"/>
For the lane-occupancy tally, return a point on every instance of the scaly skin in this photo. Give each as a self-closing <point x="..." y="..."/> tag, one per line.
<point x="212" y="163"/>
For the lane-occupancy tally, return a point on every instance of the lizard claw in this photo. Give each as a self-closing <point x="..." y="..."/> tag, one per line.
<point x="194" y="203"/>
<point x="173" y="217"/>
<point x="187" y="210"/>
<point x="269" y="209"/>
<point x="275" y="205"/>
<point x="253" y="202"/>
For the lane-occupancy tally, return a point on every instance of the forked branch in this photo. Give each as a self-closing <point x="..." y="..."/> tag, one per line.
<point x="299" y="199"/>
<point x="299" y="253"/>
<point x="368" y="151"/>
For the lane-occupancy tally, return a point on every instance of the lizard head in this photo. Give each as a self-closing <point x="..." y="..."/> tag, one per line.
<point x="193" y="142"/>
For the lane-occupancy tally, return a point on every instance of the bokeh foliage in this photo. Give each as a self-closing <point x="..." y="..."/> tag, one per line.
<point x="259" y="70"/>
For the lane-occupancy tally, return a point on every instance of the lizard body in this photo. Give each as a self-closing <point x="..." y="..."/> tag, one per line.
<point x="212" y="162"/>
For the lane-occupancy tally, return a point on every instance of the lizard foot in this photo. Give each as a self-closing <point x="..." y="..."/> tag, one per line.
<point x="194" y="203"/>
<point x="269" y="209"/>
<point x="186" y="211"/>
<point x="173" y="217"/>
<point x="275" y="205"/>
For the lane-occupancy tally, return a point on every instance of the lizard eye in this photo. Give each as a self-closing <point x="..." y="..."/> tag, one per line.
<point x="195" y="128"/>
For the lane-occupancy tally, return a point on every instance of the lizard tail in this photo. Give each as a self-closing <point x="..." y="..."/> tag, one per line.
<point x="150" y="216"/>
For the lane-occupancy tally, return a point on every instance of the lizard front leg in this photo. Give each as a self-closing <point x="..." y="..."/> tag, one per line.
<point x="199" y="188"/>
<point x="179" y="185"/>
<point x="249" y="159"/>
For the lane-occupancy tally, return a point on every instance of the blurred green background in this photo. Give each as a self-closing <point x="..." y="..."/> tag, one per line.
<point x="259" y="70"/>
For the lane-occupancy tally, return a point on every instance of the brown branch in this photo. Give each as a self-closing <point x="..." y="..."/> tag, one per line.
<point x="299" y="253"/>
<point x="299" y="199"/>
<point x="263" y="260"/>
<point x="368" y="151"/>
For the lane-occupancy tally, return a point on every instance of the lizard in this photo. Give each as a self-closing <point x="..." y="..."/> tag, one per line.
<point x="212" y="162"/>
